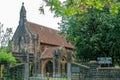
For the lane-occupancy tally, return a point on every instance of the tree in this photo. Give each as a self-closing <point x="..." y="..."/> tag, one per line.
<point x="6" y="57"/>
<point x="94" y="34"/>
<point x="5" y="36"/>
<point x="5" y="45"/>
<point x="91" y="26"/>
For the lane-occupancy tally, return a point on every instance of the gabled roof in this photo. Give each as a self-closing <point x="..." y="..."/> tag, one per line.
<point x="48" y="35"/>
<point x="47" y="53"/>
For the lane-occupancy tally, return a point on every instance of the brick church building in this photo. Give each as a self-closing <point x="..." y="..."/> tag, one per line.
<point x="43" y="48"/>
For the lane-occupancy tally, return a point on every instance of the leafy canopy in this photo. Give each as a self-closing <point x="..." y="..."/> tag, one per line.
<point x="71" y="7"/>
<point x="5" y="56"/>
<point x="94" y="34"/>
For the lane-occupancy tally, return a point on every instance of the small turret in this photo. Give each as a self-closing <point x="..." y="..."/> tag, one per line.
<point x="22" y="15"/>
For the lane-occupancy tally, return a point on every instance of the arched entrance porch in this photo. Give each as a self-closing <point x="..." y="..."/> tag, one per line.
<point x="49" y="68"/>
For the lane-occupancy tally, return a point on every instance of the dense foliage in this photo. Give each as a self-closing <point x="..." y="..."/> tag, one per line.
<point x="6" y="57"/>
<point x="94" y="34"/>
<point x="5" y="46"/>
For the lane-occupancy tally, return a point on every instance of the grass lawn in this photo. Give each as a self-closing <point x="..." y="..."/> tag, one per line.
<point x="38" y="78"/>
<point x="58" y="79"/>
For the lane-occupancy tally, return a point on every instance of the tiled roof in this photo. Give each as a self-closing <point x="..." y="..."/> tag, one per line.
<point x="48" y="35"/>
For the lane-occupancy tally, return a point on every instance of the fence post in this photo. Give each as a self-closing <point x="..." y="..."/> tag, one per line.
<point x="69" y="71"/>
<point x="93" y="69"/>
<point x="26" y="73"/>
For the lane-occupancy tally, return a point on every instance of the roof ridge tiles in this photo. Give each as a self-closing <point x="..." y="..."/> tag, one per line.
<point x="42" y="26"/>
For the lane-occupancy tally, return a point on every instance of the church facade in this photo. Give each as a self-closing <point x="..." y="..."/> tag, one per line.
<point x="43" y="48"/>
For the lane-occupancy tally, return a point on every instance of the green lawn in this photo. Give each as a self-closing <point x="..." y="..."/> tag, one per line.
<point x="57" y="79"/>
<point x="38" y="78"/>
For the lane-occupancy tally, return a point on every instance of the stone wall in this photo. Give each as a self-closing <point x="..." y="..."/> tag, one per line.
<point x="19" y="72"/>
<point x="109" y="72"/>
<point x="93" y="72"/>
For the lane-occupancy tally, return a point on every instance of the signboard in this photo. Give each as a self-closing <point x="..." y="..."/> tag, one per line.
<point x="75" y="69"/>
<point x="104" y="60"/>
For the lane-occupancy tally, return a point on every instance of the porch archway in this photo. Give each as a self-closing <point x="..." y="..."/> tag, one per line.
<point x="49" y="68"/>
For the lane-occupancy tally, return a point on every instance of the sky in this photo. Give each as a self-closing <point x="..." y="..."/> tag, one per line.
<point x="10" y="9"/>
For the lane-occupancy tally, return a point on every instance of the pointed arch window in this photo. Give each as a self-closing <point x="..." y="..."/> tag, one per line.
<point x="21" y="44"/>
